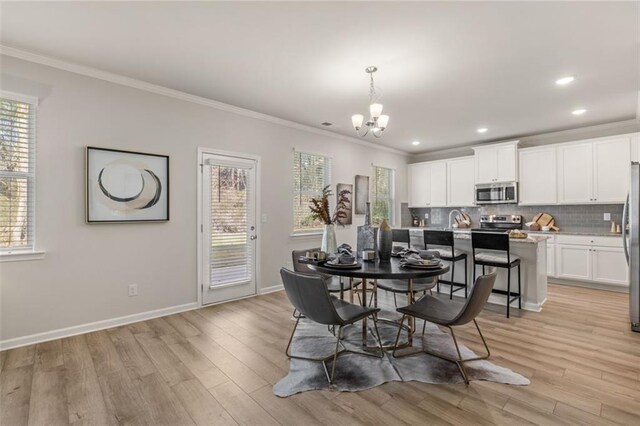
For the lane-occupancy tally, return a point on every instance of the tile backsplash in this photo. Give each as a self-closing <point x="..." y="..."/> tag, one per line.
<point x="578" y="218"/>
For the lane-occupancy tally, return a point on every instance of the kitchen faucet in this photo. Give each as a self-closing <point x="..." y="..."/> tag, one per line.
<point x="450" y="217"/>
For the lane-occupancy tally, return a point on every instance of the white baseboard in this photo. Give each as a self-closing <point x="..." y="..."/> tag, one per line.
<point x="271" y="289"/>
<point x="590" y="284"/>
<point x="93" y="326"/>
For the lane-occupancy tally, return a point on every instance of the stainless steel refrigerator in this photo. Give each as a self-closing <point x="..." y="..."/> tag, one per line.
<point x="631" y="243"/>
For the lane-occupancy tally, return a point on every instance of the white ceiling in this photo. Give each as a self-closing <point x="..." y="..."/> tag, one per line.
<point x="445" y="69"/>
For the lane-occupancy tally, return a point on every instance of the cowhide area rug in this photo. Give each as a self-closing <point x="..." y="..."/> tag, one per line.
<point x="356" y="372"/>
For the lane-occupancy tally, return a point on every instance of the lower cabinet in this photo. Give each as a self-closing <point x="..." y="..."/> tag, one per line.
<point x="551" y="259"/>
<point x="609" y="265"/>
<point x="597" y="259"/>
<point x="574" y="262"/>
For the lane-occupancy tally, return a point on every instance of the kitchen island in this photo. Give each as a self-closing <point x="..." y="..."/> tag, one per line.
<point x="533" y="257"/>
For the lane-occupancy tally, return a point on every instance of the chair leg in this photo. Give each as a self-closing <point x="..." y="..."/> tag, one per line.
<point x="395" y="345"/>
<point x="519" y="289"/>
<point x="459" y="362"/>
<point x="466" y="279"/>
<point x="375" y="327"/>
<point x="474" y="271"/>
<point x="291" y="338"/>
<point x="453" y="276"/>
<point x="395" y="301"/>
<point x="508" y="290"/>
<point x="335" y="357"/>
<point x="483" y="272"/>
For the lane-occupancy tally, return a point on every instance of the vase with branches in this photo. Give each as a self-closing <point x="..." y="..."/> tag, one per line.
<point x="321" y="211"/>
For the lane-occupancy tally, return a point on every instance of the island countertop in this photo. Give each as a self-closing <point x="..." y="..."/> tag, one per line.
<point x="465" y="234"/>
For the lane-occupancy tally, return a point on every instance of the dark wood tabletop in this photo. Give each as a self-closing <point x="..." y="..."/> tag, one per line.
<point x="382" y="271"/>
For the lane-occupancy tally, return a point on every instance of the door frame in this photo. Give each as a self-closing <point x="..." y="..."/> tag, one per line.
<point x="199" y="223"/>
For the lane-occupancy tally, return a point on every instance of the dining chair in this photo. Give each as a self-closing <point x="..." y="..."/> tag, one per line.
<point x="450" y="313"/>
<point x="497" y="253"/>
<point x="309" y="296"/>
<point x="335" y="284"/>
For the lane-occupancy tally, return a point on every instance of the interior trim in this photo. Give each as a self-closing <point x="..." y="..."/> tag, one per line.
<point x="93" y="326"/>
<point x="176" y="94"/>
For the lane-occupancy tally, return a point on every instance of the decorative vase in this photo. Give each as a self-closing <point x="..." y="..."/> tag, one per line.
<point x="366" y="234"/>
<point x="385" y="242"/>
<point x="329" y="244"/>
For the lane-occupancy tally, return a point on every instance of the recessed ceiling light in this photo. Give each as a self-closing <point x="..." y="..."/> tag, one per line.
<point x="578" y="111"/>
<point x="415" y="143"/>
<point x="565" y="80"/>
<point x="482" y="130"/>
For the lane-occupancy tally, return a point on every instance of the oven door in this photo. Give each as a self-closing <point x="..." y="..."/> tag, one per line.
<point x="490" y="194"/>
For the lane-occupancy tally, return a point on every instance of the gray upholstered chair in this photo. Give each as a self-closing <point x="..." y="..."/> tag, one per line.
<point x="450" y="313"/>
<point x="309" y="296"/>
<point x="334" y="284"/>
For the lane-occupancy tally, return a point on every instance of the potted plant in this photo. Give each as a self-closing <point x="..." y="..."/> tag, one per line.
<point x="320" y="211"/>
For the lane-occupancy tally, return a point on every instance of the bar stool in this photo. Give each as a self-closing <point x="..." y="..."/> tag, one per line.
<point x="401" y="236"/>
<point x="499" y="256"/>
<point x="446" y="248"/>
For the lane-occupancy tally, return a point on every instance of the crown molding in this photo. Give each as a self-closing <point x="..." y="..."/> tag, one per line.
<point x="176" y="94"/>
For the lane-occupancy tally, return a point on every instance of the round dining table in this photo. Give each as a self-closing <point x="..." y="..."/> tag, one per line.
<point x="371" y="272"/>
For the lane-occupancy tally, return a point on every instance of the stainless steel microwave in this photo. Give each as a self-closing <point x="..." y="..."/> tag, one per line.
<point x="497" y="193"/>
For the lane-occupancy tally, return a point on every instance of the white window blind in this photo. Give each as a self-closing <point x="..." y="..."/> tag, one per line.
<point x="231" y="252"/>
<point x="382" y="193"/>
<point x="17" y="174"/>
<point x="311" y="173"/>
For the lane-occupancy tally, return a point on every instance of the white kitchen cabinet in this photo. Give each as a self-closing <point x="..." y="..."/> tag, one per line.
<point x="591" y="259"/>
<point x="573" y="262"/>
<point x="438" y="184"/>
<point x="538" y="179"/>
<point x="594" y="172"/>
<point x="575" y="174"/>
<point x="551" y="259"/>
<point x="496" y="163"/>
<point x="611" y="170"/>
<point x="460" y="182"/>
<point x="609" y="265"/>
<point x="428" y="184"/>
<point x="419" y="185"/>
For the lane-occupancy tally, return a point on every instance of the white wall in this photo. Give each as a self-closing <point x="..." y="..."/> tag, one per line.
<point x="87" y="268"/>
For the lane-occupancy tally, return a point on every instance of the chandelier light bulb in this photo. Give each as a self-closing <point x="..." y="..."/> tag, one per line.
<point x="375" y="110"/>
<point x="357" y="120"/>
<point x="383" y="120"/>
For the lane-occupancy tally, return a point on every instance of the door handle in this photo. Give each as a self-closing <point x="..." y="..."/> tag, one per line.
<point x="253" y="237"/>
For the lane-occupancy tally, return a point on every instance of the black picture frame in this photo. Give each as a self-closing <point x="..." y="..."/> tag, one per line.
<point x="160" y="177"/>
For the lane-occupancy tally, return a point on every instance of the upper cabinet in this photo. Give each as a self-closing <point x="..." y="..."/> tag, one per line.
<point x="538" y="180"/>
<point x="594" y="172"/>
<point x="428" y="184"/>
<point x="496" y="163"/>
<point x="460" y="182"/>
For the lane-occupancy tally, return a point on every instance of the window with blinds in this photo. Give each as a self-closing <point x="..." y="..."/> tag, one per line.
<point x="17" y="174"/>
<point x="311" y="173"/>
<point x="382" y="186"/>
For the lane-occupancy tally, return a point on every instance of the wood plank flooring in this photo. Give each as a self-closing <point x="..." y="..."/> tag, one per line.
<point x="217" y="365"/>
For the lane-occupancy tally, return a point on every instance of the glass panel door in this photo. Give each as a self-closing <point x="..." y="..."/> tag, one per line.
<point x="229" y="228"/>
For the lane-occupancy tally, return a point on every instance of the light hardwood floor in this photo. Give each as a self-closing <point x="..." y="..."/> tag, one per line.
<point x="217" y="365"/>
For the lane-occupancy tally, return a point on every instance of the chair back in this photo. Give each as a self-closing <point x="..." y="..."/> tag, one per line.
<point x="490" y="241"/>
<point x="309" y="295"/>
<point x="299" y="266"/>
<point x="437" y="238"/>
<point x="477" y="299"/>
<point x="401" y="236"/>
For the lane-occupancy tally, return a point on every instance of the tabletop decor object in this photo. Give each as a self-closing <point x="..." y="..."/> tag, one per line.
<point x="126" y="186"/>
<point x="385" y="241"/>
<point x="320" y="211"/>
<point x="366" y="239"/>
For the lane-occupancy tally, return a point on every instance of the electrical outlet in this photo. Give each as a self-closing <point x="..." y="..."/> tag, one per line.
<point x="607" y="216"/>
<point x="426" y="215"/>
<point x="133" y="290"/>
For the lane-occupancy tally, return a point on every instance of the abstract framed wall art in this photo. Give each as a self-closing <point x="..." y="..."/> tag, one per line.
<point x="342" y="187"/>
<point x="126" y="186"/>
<point x="362" y="194"/>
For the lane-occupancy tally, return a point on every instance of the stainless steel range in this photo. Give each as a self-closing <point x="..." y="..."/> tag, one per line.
<point x="499" y="223"/>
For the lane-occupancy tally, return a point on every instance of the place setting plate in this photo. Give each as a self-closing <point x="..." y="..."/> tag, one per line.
<point x="331" y="264"/>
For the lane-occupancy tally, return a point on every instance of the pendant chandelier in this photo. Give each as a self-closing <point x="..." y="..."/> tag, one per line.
<point x="377" y="121"/>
